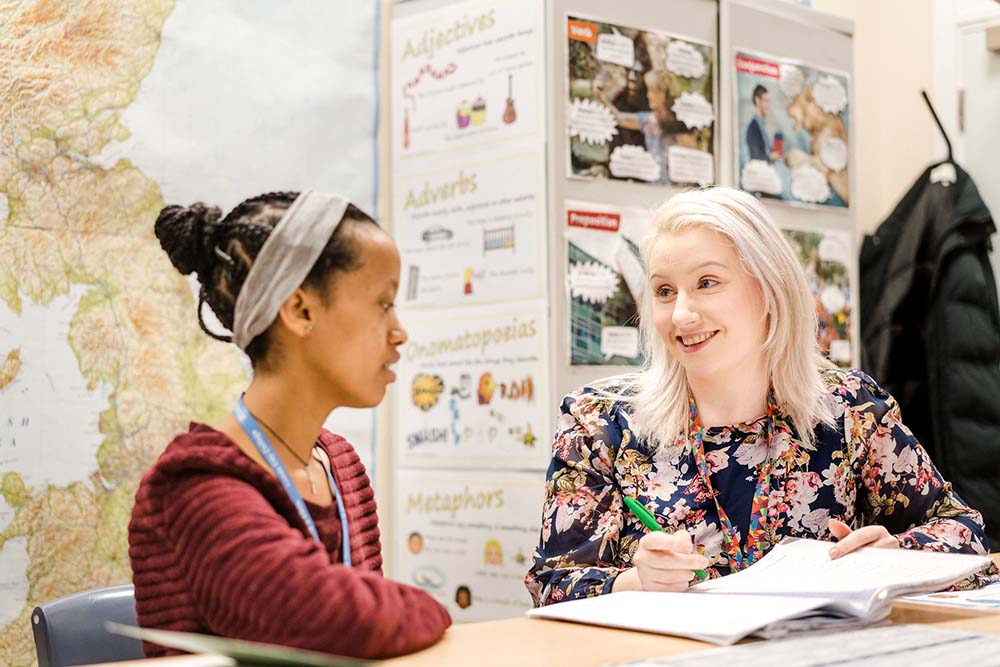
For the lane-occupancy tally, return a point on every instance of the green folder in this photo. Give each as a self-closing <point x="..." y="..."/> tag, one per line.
<point x="255" y="654"/>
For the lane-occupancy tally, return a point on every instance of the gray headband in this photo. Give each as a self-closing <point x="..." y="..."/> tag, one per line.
<point x="284" y="261"/>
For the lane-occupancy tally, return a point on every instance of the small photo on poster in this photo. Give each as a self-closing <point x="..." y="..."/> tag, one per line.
<point x="826" y="257"/>
<point x="792" y="123"/>
<point x="640" y="105"/>
<point x="605" y="281"/>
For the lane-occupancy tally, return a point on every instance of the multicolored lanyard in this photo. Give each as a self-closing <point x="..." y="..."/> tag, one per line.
<point x="756" y="531"/>
<point x="266" y="450"/>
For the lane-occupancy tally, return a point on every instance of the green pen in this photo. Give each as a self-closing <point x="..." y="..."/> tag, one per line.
<point x="649" y="521"/>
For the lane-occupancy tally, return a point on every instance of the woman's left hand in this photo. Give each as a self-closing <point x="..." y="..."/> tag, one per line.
<point x="850" y="540"/>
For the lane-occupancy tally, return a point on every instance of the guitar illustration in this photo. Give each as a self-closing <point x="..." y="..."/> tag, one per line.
<point x="509" y="113"/>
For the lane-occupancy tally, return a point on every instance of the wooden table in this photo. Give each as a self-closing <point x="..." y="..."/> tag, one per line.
<point x="530" y="642"/>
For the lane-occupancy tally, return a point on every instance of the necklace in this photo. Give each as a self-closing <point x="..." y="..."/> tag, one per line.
<point x="304" y="462"/>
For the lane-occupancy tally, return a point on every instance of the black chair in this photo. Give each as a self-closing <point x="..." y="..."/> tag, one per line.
<point x="70" y="630"/>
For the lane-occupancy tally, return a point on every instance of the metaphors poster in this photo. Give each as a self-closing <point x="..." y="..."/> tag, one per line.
<point x="467" y="538"/>
<point x="605" y="282"/>
<point x="465" y="75"/>
<point x="792" y="125"/>
<point x="640" y="105"/>
<point x="473" y="387"/>
<point x="472" y="231"/>
<point x="826" y="256"/>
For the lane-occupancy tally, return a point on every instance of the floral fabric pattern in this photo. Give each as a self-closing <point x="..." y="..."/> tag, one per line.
<point x="868" y="469"/>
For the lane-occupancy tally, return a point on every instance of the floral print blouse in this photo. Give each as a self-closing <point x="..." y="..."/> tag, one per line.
<point x="869" y="469"/>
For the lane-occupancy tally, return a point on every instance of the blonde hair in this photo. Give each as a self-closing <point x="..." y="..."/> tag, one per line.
<point x="791" y="344"/>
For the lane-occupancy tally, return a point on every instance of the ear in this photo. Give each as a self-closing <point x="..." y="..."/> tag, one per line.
<point x="297" y="313"/>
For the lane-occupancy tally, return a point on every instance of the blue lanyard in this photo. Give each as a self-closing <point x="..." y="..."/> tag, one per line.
<point x="263" y="446"/>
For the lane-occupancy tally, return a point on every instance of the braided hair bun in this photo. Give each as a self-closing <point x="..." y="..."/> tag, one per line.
<point x="186" y="235"/>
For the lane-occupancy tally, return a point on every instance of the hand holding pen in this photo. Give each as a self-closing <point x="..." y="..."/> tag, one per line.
<point x="663" y="561"/>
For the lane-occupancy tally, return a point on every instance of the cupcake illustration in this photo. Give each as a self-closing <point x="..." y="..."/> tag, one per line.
<point x="479" y="111"/>
<point x="463" y="115"/>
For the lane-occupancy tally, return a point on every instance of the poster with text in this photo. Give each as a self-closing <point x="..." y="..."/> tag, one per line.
<point x="640" y="105"/>
<point x="472" y="232"/>
<point x="465" y="75"/>
<point x="473" y="388"/>
<point x="605" y="282"/>
<point x="826" y="255"/>
<point x="467" y="538"/>
<point x="792" y="123"/>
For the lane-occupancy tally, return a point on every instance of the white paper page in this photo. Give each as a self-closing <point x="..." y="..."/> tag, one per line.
<point x="987" y="597"/>
<point x="720" y="619"/>
<point x="804" y="567"/>
<point x="888" y="646"/>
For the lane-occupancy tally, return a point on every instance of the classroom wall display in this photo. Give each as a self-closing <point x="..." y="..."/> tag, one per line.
<point x="640" y="104"/>
<point x="605" y="280"/>
<point x="473" y="388"/>
<point x="792" y="123"/>
<point x="826" y="255"/>
<point x="467" y="538"/>
<point x="465" y="75"/>
<point x="472" y="231"/>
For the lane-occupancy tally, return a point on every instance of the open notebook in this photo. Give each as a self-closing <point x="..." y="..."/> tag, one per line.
<point x="794" y="587"/>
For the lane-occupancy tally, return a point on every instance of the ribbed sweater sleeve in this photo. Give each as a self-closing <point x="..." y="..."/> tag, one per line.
<point x="240" y="569"/>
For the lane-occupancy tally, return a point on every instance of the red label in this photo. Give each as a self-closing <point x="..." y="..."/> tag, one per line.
<point x="758" y="67"/>
<point x="582" y="31"/>
<point x="605" y="222"/>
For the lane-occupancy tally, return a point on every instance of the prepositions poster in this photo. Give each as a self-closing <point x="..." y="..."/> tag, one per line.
<point x="466" y="537"/>
<point x="472" y="232"/>
<point x="473" y="388"/>
<point x="605" y="282"/>
<point x="792" y="123"/>
<point x="640" y="105"/>
<point x="465" y="75"/>
<point x="826" y="255"/>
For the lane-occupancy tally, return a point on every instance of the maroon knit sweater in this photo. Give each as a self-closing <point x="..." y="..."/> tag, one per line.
<point x="217" y="547"/>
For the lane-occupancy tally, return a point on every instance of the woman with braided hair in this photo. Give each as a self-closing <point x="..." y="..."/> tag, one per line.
<point x="263" y="527"/>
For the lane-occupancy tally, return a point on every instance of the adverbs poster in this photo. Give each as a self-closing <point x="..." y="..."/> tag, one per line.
<point x="472" y="232"/>
<point x="466" y="75"/>
<point x="605" y="282"/>
<point x="640" y="105"/>
<point x="826" y="256"/>
<point x="792" y="124"/>
<point x="467" y="538"/>
<point x="473" y="388"/>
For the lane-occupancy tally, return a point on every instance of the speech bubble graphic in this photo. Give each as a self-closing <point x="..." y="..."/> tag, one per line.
<point x="832" y="299"/>
<point x="592" y="282"/>
<point x="630" y="161"/>
<point x="693" y="110"/>
<point x="623" y="341"/>
<point x="809" y="184"/>
<point x="833" y="249"/>
<point x="685" y="60"/>
<point x="689" y="165"/>
<point x="833" y="153"/>
<point x="615" y="48"/>
<point x="591" y="122"/>
<point x="791" y="80"/>
<point x="830" y="95"/>
<point x="759" y="176"/>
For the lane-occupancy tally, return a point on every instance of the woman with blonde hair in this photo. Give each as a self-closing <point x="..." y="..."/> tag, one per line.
<point x="736" y="433"/>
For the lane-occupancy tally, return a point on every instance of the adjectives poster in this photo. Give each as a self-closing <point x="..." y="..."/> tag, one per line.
<point x="640" y="105"/>
<point x="466" y="537"/>
<point x="826" y="255"/>
<point x="466" y="74"/>
<point x="473" y="387"/>
<point x="605" y="283"/>
<point x="792" y="124"/>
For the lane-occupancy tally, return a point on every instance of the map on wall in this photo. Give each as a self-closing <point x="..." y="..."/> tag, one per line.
<point x="111" y="110"/>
